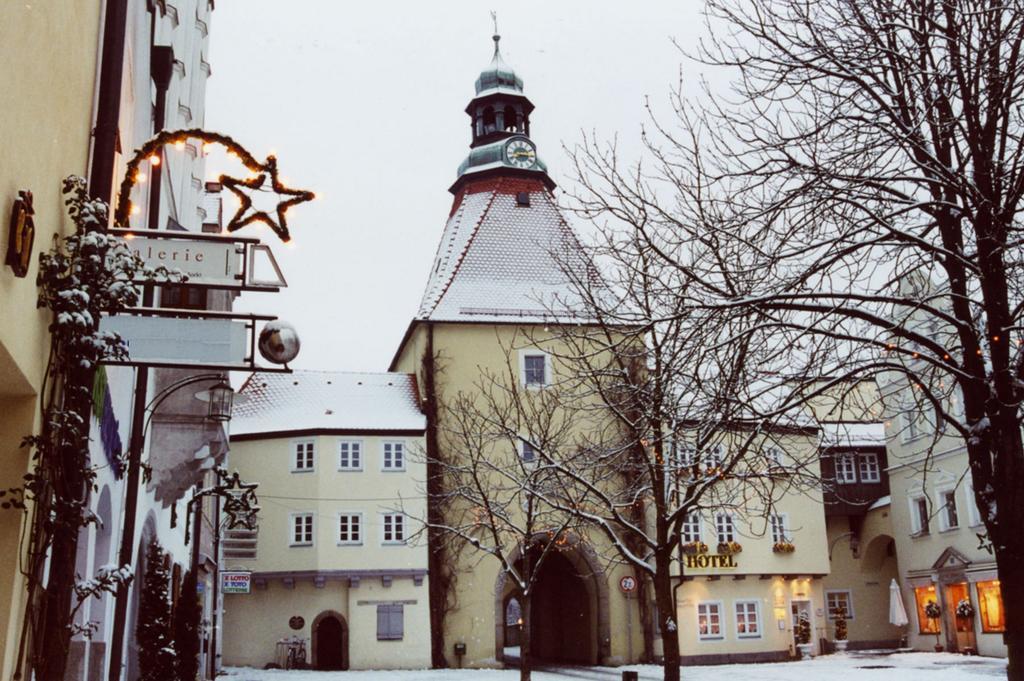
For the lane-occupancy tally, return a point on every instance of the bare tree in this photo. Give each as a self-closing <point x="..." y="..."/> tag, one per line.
<point x="493" y="493"/>
<point x="864" y="174"/>
<point x="691" y="411"/>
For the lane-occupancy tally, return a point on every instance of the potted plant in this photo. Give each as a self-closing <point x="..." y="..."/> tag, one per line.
<point x="730" y="547"/>
<point x="803" y="635"/>
<point x="840" y="635"/>
<point x="933" y="612"/>
<point x="694" y="547"/>
<point x="783" y="547"/>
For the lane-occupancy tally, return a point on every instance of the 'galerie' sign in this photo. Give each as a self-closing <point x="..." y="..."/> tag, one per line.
<point x="703" y="561"/>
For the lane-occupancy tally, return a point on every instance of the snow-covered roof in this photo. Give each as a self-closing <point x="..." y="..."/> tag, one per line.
<point x="853" y="434"/>
<point x="499" y="261"/>
<point x="327" y="401"/>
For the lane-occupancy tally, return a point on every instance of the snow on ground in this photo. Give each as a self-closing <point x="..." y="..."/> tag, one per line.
<point x="852" y="667"/>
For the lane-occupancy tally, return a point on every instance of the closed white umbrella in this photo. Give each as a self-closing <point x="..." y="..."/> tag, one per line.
<point x="897" y="613"/>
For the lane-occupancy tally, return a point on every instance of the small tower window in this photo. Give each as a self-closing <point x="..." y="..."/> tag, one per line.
<point x="489" y="122"/>
<point x="511" y="120"/>
<point x="522" y="198"/>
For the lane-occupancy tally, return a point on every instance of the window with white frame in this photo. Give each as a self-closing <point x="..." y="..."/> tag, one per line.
<point x="774" y="456"/>
<point x="950" y="518"/>
<point x="846" y="469"/>
<point x="713" y="456"/>
<point x="709" y="620"/>
<point x="534" y="368"/>
<point x="303" y="456"/>
<point x="350" y="455"/>
<point x="839" y="598"/>
<point x="691" y="528"/>
<point x="780" y="528"/>
<point x="909" y="417"/>
<point x="725" y="527"/>
<point x="527" y="452"/>
<point x="393" y="528"/>
<point x="302" y="529"/>
<point x="919" y="515"/>
<point x="748" y="619"/>
<point x="685" y="455"/>
<point x="350" y="528"/>
<point x="973" y="514"/>
<point x="394" y="456"/>
<point x="870" y="470"/>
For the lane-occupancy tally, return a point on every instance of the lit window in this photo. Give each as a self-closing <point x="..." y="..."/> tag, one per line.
<point x="780" y="529"/>
<point x="924" y="595"/>
<point x="350" y="455"/>
<point x="870" y="471"/>
<point x="990" y="600"/>
<point x="394" y="528"/>
<point x="302" y="529"/>
<point x="725" y="527"/>
<point x="748" y="621"/>
<point x="950" y="518"/>
<point x="846" y="470"/>
<point x="709" y="620"/>
<point x="839" y="599"/>
<point x="535" y="370"/>
<point x="691" y="528"/>
<point x="350" y="528"/>
<point x="394" y="456"/>
<point x="303" y="456"/>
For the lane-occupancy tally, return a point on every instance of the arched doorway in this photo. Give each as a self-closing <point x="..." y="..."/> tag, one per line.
<point x="330" y="641"/>
<point x="561" y="627"/>
<point x="569" y="610"/>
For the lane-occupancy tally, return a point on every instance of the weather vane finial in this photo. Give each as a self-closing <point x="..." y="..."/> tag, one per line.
<point x="496" y="36"/>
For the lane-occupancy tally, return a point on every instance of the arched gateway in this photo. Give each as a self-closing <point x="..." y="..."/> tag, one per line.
<point x="569" y="609"/>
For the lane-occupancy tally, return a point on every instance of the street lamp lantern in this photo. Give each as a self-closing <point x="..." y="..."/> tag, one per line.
<point x="221" y="397"/>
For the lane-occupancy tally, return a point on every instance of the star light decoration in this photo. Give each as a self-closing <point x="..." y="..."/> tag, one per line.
<point x="240" y="505"/>
<point x="151" y="152"/>
<point x="241" y="218"/>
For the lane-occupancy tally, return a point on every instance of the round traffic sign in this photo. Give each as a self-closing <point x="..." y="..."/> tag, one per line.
<point x="627" y="584"/>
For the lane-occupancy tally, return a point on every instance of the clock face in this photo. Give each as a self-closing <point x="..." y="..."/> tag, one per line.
<point x="521" y="154"/>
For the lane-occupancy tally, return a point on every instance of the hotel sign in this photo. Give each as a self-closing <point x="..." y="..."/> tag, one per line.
<point x="235" y="582"/>
<point x="710" y="561"/>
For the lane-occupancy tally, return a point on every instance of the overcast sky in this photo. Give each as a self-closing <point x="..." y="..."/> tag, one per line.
<point x="364" y="104"/>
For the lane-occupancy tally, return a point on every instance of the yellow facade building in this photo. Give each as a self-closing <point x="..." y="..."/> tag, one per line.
<point x="338" y="561"/>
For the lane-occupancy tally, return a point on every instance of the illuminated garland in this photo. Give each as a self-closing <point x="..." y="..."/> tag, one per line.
<point x="150" y="150"/>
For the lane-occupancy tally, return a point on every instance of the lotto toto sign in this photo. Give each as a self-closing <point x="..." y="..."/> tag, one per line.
<point x="235" y="582"/>
<point x="627" y="584"/>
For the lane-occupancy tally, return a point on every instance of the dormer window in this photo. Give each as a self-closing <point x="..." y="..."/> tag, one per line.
<point x="523" y="199"/>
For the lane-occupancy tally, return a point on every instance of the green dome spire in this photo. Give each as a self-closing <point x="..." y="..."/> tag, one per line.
<point x="498" y="74"/>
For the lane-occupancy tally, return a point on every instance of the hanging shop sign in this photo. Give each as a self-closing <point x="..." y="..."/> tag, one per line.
<point x="235" y="582"/>
<point x="705" y="561"/>
<point x="21" y="234"/>
<point x="170" y="341"/>
<point x="210" y="260"/>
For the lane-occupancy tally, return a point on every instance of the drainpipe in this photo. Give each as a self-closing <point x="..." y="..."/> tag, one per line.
<point x="162" y="61"/>
<point x="108" y="110"/>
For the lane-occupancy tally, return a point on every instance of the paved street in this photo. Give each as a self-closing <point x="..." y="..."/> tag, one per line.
<point x="851" y="667"/>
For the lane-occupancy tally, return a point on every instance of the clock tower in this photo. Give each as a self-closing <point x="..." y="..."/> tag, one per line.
<point x="500" y="125"/>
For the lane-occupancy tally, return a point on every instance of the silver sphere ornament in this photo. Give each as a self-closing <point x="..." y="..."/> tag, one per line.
<point x="279" y="342"/>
